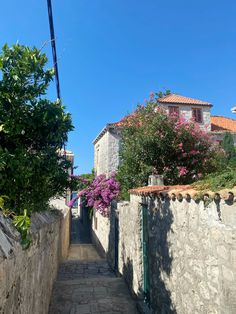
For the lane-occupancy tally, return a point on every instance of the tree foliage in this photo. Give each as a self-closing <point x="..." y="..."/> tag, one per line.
<point x="155" y="143"/>
<point x="32" y="131"/>
<point x="82" y="181"/>
<point x="228" y="145"/>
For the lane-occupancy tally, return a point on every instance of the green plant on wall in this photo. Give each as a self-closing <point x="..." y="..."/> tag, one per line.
<point x="22" y="224"/>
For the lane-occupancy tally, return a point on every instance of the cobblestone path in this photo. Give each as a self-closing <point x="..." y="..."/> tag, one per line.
<point x="86" y="285"/>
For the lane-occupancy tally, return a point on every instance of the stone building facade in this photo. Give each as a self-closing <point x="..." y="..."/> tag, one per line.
<point x="107" y="143"/>
<point x="175" y="253"/>
<point x="190" y="108"/>
<point x="106" y="150"/>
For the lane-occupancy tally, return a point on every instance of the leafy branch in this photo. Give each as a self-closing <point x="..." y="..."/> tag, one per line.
<point x="22" y="225"/>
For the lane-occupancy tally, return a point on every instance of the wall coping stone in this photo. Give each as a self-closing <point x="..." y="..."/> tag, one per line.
<point x="10" y="237"/>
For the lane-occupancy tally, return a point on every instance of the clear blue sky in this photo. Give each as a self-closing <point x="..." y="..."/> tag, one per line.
<point x="113" y="53"/>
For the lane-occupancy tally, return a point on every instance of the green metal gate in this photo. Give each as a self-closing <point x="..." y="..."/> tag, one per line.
<point x="146" y="284"/>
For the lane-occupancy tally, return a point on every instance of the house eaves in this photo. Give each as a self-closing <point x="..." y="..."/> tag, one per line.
<point x="103" y="131"/>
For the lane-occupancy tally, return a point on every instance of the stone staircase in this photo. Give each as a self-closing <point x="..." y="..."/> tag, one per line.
<point x="86" y="285"/>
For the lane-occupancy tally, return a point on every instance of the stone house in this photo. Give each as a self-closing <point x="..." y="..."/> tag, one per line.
<point x="220" y="125"/>
<point x="107" y="142"/>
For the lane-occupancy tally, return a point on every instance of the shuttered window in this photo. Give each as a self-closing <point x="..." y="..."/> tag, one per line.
<point x="197" y="115"/>
<point x="173" y="110"/>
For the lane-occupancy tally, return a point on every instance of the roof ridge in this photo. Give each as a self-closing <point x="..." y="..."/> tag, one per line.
<point x="223" y="117"/>
<point x="177" y="98"/>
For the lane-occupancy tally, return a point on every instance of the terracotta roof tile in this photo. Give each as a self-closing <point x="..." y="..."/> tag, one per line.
<point x="158" y="188"/>
<point x="180" y="189"/>
<point x="219" y="123"/>
<point x="178" y="99"/>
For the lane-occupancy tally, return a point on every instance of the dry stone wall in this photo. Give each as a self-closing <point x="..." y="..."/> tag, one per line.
<point x="191" y="258"/>
<point x="26" y="277"/>
<point x="191" y="249"/>
<point x="130" y="245"/>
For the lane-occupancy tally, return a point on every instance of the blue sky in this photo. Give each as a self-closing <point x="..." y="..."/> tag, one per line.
<point x="113" y="53"/>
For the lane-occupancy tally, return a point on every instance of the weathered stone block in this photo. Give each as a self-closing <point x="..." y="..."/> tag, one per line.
<point x="227" y="273"/>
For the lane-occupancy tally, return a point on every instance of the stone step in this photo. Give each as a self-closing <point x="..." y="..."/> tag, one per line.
<point x="95" y="285"/>
<point x="81" y="269"/>
<point x="99" y="306"/>
<point x="92" y="295"/>
<point x="87" y="285"/>
<point x="85" y="252"/>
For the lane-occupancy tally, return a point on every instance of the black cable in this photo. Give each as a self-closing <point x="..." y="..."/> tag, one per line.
<point x="54" y="53"/>
<point x="53" y="44"/>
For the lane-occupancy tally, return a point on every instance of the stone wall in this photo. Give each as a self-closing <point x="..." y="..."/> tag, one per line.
<point x="191" y="257"/>
<point x="186" y="111"/>
<point x="130" y="245"/>
<point x="65" y="229"/>
<point x="101" y="232"/>
<point x="26" y="277"/>
<point x="128" y="260"/>
<point x="191" y="253"/>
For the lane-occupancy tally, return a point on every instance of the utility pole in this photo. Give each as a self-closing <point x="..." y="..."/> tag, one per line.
<point x="53" y="44"/>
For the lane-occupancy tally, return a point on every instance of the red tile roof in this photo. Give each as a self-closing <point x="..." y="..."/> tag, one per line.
<point x="219" y="123"/>
<point x="159" y="188"/>
<point x="178" y="99"/>
<point x="184" y="190"/>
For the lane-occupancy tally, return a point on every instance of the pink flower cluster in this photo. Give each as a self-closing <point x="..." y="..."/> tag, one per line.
<point x="182" y="171"/>
<point x="71" y="203"/>
<point x="100" y="193"/>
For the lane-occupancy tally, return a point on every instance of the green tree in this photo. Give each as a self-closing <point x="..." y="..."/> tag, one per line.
<point x="228" y="145"/>
<point x="33" y="129"/>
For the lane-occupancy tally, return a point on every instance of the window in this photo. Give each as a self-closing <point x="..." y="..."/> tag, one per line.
<point x="197" y="115"/>
<point x="174" y="110"/>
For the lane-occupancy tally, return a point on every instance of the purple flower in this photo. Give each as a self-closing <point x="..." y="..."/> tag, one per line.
<point x="71" y="203"/>
<point x="100" y="193"/>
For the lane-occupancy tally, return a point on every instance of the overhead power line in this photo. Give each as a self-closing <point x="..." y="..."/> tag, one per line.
<point x="54" y="51"/>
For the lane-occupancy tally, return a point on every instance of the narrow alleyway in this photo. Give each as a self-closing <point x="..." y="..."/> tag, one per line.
<point x="86" y="285"/>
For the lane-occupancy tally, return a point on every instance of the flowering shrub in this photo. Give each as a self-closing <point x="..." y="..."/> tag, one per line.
<point x="154" y="142"/>
<point x="100" y="193"/>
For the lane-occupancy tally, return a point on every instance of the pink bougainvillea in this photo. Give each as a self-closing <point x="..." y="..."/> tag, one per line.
<point x="100" y="193"/>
